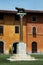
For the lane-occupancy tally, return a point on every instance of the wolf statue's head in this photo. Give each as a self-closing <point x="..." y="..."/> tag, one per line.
<point x="20" y="10"/>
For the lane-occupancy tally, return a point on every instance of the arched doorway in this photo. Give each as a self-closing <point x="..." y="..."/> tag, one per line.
<point x="34" y="47"/>
<point x="15" y="48"/>
<point x="1" y="47"/>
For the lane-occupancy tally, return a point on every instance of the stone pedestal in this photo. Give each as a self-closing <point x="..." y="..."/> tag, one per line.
<point x="21" y="53"/>
<point x="21" y="48"/>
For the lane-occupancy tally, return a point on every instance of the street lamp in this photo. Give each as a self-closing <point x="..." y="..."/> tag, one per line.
<point x="21" y="13"/>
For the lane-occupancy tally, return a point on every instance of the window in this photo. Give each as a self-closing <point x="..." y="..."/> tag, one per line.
<point x="1" y="30"/>
<point x="1" y="16"/>
<point x="34" y="18"/>
<point x="34" y="31"/>
<point x="17" y="17"/>
<point x="16" y="29"/>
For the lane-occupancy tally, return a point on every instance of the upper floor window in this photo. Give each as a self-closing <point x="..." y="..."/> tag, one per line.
<point x="17" y="17"/>
<point x="1" y="16"/>
<point x="1" y="30"/>
<point x="34" y="31"/>
<point x="34" y="19"/>
<point x="16" y="29"/>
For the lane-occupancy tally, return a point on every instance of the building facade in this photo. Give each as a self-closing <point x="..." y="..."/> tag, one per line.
<point x="10" y="31"/>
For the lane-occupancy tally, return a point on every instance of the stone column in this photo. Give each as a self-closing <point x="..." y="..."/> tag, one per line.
<point x="21" y="29"/>
<point x="21" y="25"/>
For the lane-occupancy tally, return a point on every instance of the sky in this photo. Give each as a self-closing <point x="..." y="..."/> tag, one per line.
<point x="26" y="4"/>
